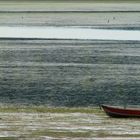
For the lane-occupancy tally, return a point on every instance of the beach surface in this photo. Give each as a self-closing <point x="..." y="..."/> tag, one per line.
<point x="68" y="72"/>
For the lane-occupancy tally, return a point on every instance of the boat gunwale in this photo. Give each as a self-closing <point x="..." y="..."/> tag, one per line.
<point x="122" y="108"/>
<point x="114" y="111"/>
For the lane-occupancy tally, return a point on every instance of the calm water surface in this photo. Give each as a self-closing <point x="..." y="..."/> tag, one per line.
<point x="68" y="33"/>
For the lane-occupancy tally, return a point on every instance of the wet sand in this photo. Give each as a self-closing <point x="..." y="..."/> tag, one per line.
<point x="66" y="126"/>
<point x="103" y="19"/>
<point x="59" y="5"/>
<point x="118" y="15"/>
<point x="62" y="72"/>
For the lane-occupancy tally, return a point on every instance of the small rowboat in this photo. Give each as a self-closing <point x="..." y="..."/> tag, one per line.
<point x="121" y="112"/>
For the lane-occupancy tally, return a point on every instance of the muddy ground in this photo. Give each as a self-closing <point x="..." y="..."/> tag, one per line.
<point x="44" y="13"/>
<point x="69" y="72"/>
<point x="67" y="125"/>
<point x="26" y="65"/>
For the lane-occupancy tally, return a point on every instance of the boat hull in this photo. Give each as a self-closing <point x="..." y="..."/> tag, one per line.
<point x="121" y="112"/>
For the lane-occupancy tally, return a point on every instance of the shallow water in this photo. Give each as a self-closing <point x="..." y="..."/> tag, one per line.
<point x="68" y="33"/>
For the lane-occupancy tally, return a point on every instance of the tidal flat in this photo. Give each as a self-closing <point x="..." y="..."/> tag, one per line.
<point x="102" y="19"/>
<point x="91" y="13"/>
<point x="48" y="123"/>
<point x="69" y="72"/>
<point x="38" y="74"/>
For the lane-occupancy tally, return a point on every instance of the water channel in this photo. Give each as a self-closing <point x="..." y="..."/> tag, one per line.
<point x="68" y="33"/>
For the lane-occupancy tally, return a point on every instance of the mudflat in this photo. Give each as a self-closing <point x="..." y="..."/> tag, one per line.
<point x="60" y="13"/>
<point x="38" y="122"/>
<point x="68" y="72"/>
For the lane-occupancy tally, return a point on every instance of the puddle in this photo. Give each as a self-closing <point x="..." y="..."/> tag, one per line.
<point x="68" y="33"/>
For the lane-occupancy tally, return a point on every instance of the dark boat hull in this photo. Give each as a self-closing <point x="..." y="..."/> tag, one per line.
<point x="120" y="112"/>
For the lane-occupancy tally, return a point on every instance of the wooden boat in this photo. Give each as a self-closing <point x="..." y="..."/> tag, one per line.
<point x="113" y="111"/>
